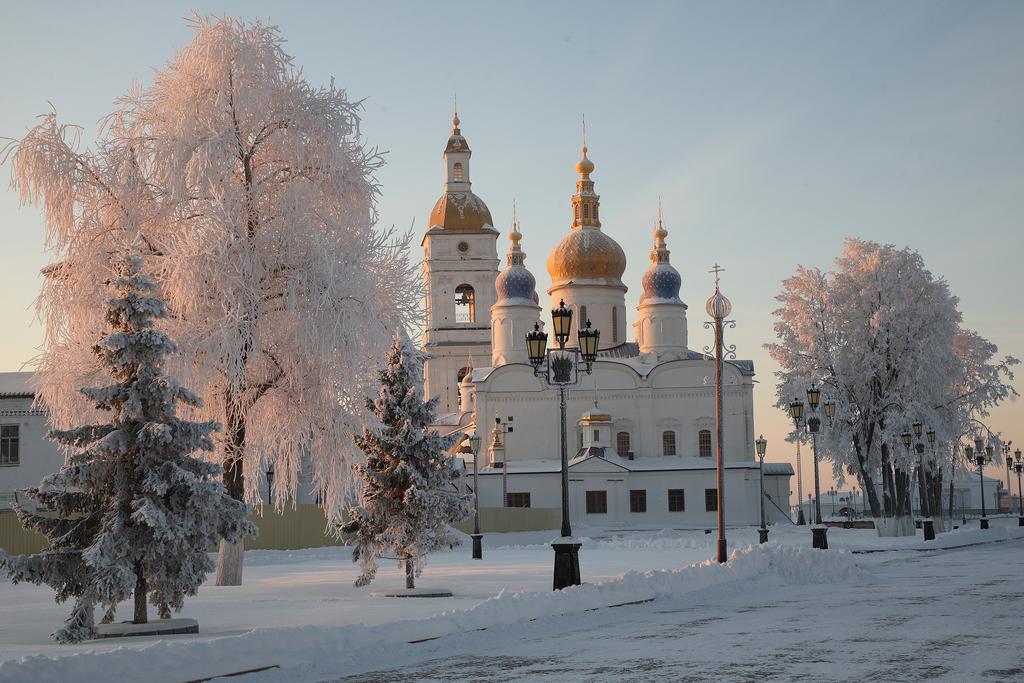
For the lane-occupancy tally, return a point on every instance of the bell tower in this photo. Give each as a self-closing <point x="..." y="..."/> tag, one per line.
<point x="460" y="264"/>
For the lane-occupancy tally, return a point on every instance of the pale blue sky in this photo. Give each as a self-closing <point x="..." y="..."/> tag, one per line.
<point x="772" y="130"/>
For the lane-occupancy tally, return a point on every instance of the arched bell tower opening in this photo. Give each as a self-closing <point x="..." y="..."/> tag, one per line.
<point x="460" y="263"/>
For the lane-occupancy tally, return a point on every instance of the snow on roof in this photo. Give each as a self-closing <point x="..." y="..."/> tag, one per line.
<point x="778" y="468"/>
<point x="16" y="385"/>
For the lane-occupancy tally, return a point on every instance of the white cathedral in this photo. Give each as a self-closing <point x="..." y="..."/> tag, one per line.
<point x="640" y="426"/>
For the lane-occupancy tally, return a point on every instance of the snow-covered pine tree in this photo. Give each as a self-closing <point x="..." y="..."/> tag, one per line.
<point x="135" y="513"/>
<point x="408" y="498"/>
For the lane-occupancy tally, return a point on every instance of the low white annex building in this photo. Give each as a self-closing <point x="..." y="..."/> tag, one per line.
<point x="640" y="426"/>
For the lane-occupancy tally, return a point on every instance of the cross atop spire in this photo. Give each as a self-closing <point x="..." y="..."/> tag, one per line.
<point x="716" y="270"/>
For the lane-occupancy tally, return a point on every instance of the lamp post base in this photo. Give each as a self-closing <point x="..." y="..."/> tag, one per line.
<point x="800" y="518"/>
<point x="567" y="563"/>
<point x="723" y="551"/>
<point x="478" y="546"/>
<point x="984" y="522"/>
<point x="1020" y="521"/>
<point x="762" y="535"/>
<point x="929" y="529"/>
<point x="819" y="537"/>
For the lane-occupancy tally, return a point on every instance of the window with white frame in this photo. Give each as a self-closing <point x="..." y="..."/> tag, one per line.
<point x="9" y="438"/>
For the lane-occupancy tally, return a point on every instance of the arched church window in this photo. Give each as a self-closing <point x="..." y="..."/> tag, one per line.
<point x="595" y="212"/>
<point x="458" y="173"/>
<point x="583" y="315"/>
<point x="586" y="210"/>
<point x="704" y="443"/>
<point x="668" y="443"/>
<point x="622" y="443"/>
<point x="615" y="324"/>
<point x="465" y="304"/>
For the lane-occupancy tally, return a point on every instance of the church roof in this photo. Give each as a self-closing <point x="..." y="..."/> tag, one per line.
<point x="461" y="212"/>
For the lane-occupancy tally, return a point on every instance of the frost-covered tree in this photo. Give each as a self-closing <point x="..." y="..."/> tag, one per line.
<point x="135" y="511"/>
<point x="408" y="498"/>
<point x="882" y="336"/>
<point x="254" y="197"/>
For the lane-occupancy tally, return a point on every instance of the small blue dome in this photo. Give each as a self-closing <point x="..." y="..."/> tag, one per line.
<point x="662" y="282"/>
<point x="515" y="283"/>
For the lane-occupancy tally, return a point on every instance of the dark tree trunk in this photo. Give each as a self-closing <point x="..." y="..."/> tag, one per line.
<point x="140" y="596"/>
<point x="888" y="488"/>
<point x="410" y="573"/>
<point x="234" y="452"/>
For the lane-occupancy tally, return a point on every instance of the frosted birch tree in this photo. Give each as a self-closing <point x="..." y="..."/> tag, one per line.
<point x="882" y="336"/>
<point x="408" y="499"/>
<point x="135" y="511"/>
<point x="254" y="197"/>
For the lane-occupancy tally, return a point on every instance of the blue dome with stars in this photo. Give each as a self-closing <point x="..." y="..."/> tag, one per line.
<point x="515" y="283"/>
<point x="661" y="281"/>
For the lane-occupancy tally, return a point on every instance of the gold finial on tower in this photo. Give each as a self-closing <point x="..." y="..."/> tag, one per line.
<point x="516" y="256"/>
<point x="455" y="115"/>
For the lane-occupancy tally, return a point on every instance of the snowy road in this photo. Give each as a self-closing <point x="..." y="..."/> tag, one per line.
<point x="955" y="615"/>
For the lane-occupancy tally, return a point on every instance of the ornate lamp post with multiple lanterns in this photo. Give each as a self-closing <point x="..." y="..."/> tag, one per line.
<point x="981" y="455"/>
<point x="819" y="532"/>
<point x="561" y="369"/>
<point x="761" y="445"/>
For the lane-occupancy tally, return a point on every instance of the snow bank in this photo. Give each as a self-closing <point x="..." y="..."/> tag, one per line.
<point x="178" y="659"/>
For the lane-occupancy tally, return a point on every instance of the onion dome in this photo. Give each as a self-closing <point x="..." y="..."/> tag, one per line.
<point x="515" y="284"/>
<point x="661" y="281"/>
<point x="718" y="306"/>
<point x="458" y="209"/>
<point x="586" y="255"/>
<point x="596" y="414"/>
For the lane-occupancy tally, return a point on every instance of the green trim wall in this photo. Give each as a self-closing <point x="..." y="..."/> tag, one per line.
<point x="305" y="527"/>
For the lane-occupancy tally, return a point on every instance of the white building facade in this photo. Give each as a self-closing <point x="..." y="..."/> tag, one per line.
<point x="640" y="426"/>
<point x="26" y="455"/>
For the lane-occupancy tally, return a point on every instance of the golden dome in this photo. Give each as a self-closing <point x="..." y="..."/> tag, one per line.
<point x="587" y="256"/>
<point x="460" y="211"/>
<point x="584" y="166"/>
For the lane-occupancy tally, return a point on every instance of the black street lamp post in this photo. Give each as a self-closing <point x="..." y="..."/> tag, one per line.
<point x="819" y="532"/>
<point x="1018" y="467"/>
<point x="761" y="446"/>
<point x="1008" y="457"/>
<point x="474" y="448"/>
<point x="979" y="453"/>
<point x="561" y="369"/>
<point x="832" y="495"/>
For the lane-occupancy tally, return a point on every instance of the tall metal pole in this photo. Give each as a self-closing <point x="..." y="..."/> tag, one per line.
<point x="719" y="469"/>
<point x="817" y="488"/>
<point x="763" y="531"/>
<point x="981" y="480"/>
<point x="566" y="529"/>
<point x="799" y="487"/>
<point x="504" y="470"/>
<point x="478" y="551"/>
<point x="1020" y="500"/>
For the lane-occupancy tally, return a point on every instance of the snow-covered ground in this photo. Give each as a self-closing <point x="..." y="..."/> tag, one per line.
<point x="775" y="612"/>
